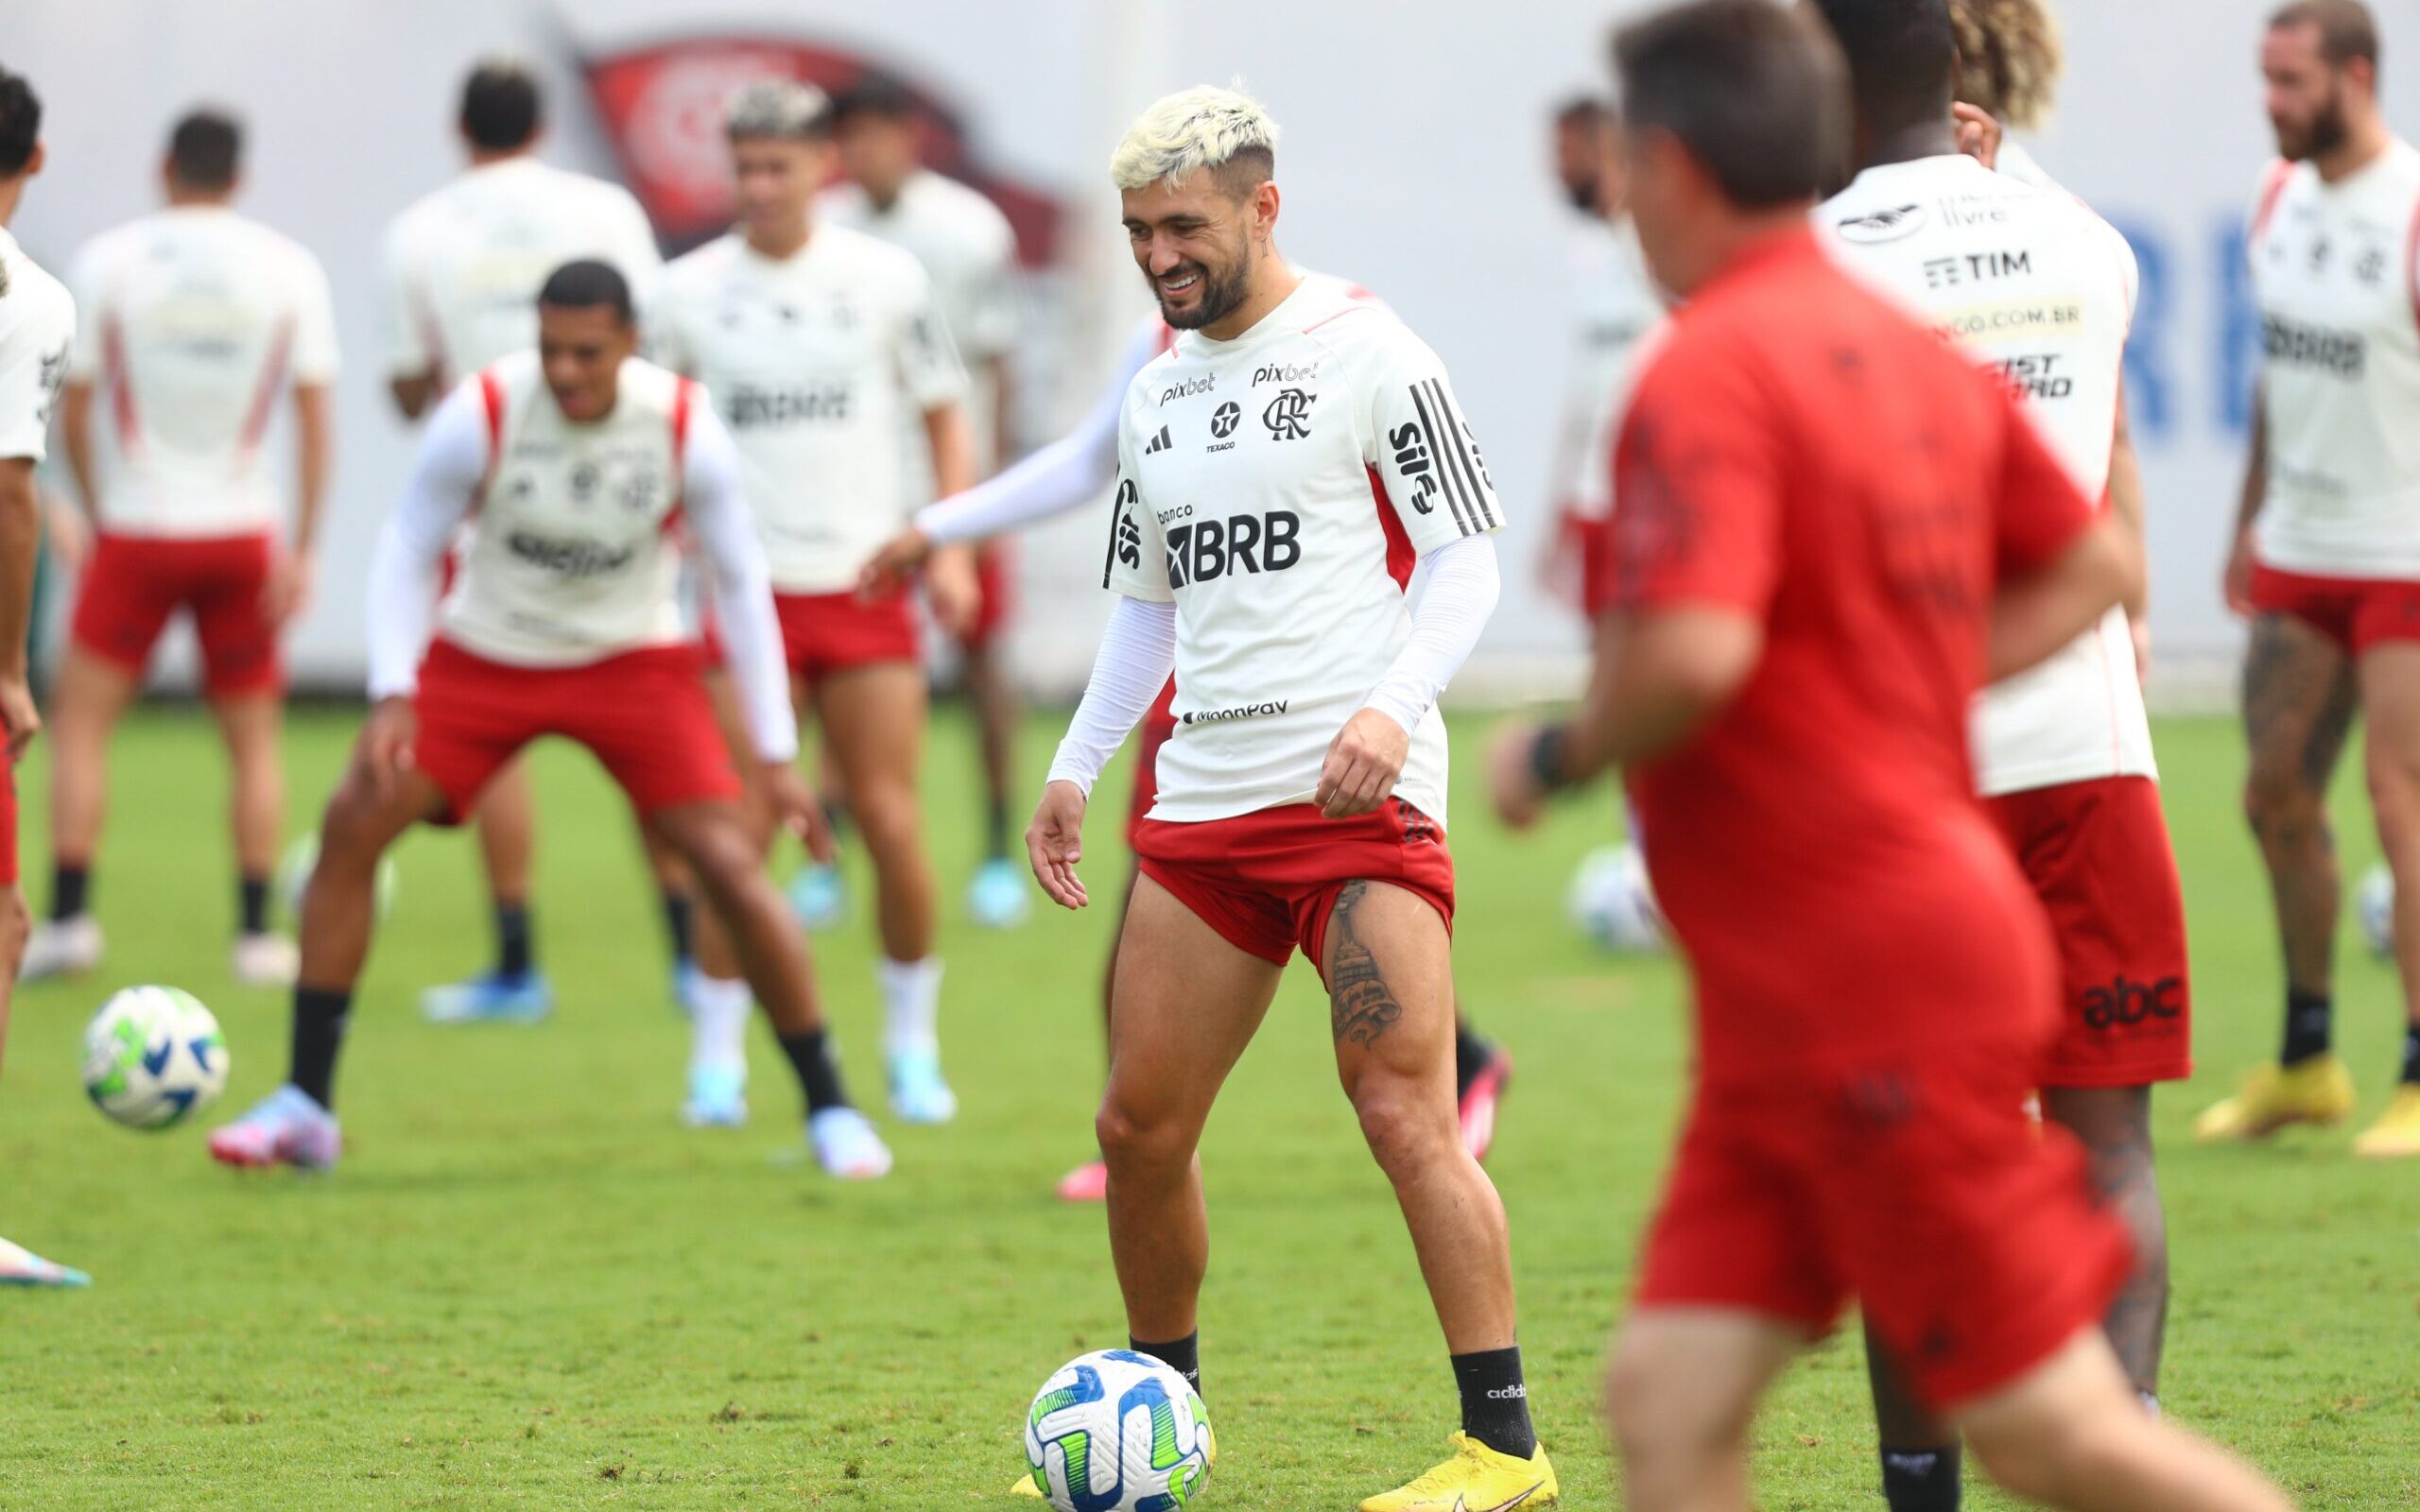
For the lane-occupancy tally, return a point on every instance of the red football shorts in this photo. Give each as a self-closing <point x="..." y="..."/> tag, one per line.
<point x="645" y="714"/>
<point x="1924" y="1189"/>
<point x="1267" y="880"/>
<point x="2355" y="612"/>
<point x="135" y="583"/>
<point x="995" y="576"/>
<point x="2097" y="855"/>
<point x="8" y="824"/>
<point x="824" y="633"/>
<point x="1158" y="725"/>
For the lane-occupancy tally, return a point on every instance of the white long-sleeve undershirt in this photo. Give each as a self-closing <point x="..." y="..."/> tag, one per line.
<point x="438" y="496"/>
<point x="1137" y="654"/>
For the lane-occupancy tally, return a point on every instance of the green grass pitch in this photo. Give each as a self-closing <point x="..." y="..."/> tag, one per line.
<point x="529" y="1287"/>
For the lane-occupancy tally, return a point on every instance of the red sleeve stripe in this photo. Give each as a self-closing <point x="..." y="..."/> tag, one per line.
<point x="264" y="394"/>
<point x="121" y="384"/>
<point x="492" y="405"/>
<point x="2280" y="174"/>
<point x="682" y="392"/>
<point x="1400" y="558"/>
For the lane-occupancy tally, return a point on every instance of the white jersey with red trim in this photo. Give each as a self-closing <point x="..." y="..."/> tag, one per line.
<point x="2337" y="270"/>
<point x="577" y="554"/>
<point x="1279" y="488"/>
<point x="196" y="320"/>
<point x="818" y="361"/>
<point x="463" y="263"/>
<point x="969" y="251"/>
<point x="37" y="330"/>
<point x="1615" y="305"/>
<point x="2033" y="284"/>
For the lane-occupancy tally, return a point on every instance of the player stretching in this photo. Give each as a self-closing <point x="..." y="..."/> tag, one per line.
<point x="1826" y="527"/>
<point x="1282" y="468"/>
<point x="817" y="341"/>
<point x="2326" y="559"/>
<point x="579" y="459"/>
<point x="2041" y="291"/>
<point x="196" y="321"/>
<point x="967" y="248"/>
<point x="462" y="267"/>
<point x="37" y="327"/>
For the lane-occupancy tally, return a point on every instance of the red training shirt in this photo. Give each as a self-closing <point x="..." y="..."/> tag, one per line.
<point x="1804" y="454"/>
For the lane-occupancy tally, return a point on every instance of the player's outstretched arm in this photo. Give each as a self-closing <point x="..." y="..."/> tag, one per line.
<point x="1137" y="654"/>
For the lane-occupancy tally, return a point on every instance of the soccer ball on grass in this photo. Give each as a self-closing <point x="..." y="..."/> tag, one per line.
<point x="1117" y="1432"/>
<point x="153" y="1056"/>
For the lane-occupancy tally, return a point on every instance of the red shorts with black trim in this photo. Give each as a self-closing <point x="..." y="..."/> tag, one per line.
<point x="2355" y="612"/>
<point x="134" y="584"/>
<point x="2097" y="855"/>
<point x="824" y="633"/>
<point x="1158" y="725"/>
<point x="1267" y="880"/>
<point x="644" y="714"/>
<point x="1922" y="1188"/>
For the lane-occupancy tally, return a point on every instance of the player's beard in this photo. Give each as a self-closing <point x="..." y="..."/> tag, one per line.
<point x="1223" y="292"/>
<point x="2328" y="130"/>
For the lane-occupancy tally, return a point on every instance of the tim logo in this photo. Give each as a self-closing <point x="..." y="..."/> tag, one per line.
<point x="1413" y="461"/>
<point x="1288" y="416"/>
<point x="2124" y="1004"/>
<point x="1884" y="225"/>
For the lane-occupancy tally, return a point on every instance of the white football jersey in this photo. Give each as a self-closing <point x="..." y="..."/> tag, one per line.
<point x="576" y="554"/>
<point x="967" y="250"/>
<point x="1278" y="488"/>
<point x="817" y="362"/>
<point x="37" y="329"/>
<point x="1614" y="304"/>
<point x="463" y="264"/>
<point x="2337" y="270"/>
<point x="2035" y="285"/>
<point x="196" y="320"/>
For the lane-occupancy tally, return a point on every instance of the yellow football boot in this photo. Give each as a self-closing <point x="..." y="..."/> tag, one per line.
<point x="1476" y="1479"/>
<point x="2318" y="1091"/>
<point x="2396" y="1134"/>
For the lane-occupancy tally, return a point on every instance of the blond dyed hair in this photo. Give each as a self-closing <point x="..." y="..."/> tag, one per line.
<point x="1202" y="128"/>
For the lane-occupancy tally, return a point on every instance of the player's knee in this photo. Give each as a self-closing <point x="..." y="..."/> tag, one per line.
<point x="1404" y="1132"/>
<point x="2049" y="1458"/>
<point x="1655" y="1427"/>
<point x="1134" y="1138"/>
<point x="349" y="829"/>
<point x="884" y="814"/>
<point x="16" y="926"/>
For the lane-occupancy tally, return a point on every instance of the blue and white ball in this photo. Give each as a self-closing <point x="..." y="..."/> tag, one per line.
<point x="1117" y="1432"/>
<point x="1610" y="901"/>
<point x="153" y="1056"/>
<point x="2373" y="904"/>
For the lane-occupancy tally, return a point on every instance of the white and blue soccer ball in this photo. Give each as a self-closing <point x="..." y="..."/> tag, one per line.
<point x="2374" y="905"/>
<point x="1610" y="901"/>
<point x="1117" y="1432"/>
<point x="153" y="1056"/>
<point x="301" y="858"/>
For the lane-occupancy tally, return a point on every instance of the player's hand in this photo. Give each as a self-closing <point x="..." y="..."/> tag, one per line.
<point x="19" y="715"/>
<point x="2236" y="584"/>
<point x="895" y="564"/>
<point x="1512" y="784"/>
<point x="957" y="594"/>
<point x="70" y="536"/>
<point x="1363" y="762"/>
<point x="385" y="753"/>
<point x="287" y="592"/>
<point x="795" y="809"/>
<point x="1054" y="842"/>
<point x="1979" y="134"/>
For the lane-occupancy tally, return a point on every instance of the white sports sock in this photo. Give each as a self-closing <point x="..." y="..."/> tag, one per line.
<point x="719" y="1013"/>
<point x="911" y="997"/>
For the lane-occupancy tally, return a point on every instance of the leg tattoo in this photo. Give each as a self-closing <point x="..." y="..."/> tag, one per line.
<point x="1360" y="1008"/>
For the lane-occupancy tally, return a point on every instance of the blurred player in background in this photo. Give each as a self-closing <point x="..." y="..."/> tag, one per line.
<point x="2063" y="754"/>
<point x="462" y="265"/>
<point x="565" y="620"/>
<point x="2009" y="62"/>
<point x="2326" y="559"/>
<point x="1826" y="525"/>
<point x="37" y="329"/>
<point x="1283" y="468"/>
<point x="968" y="250"/>
<point x="198" y="322"/>
<point x="821" y="344"/>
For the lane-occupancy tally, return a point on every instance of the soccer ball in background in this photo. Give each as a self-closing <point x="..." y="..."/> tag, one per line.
<point x="2373" y="904"/>
<point x="1610" y="901"/>
<point x="1117" y="1432"/>
<point x="294" y="875"/>
<point x="153" y="1056"/>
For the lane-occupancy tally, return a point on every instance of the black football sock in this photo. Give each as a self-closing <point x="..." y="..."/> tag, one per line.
<point x="1921" y="1480"/>
<point x="252" y="905"/>
<point x="2411" y="1055"/>
<point x="514" y="956"/>
<point x="319" y="1015"/>
<point x="818" y="1075"/>
<point x="2310" y="1018"/>
<point x="1496" y="1400"/>
<point x="996" y="830"/>
<point x="1184" y="1356"/>
<point x="1471" y="1055"/>
<point x="70" y="888"/>
<point x="680" y="922"/>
